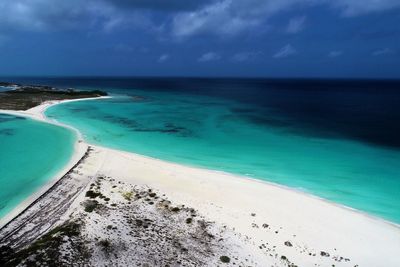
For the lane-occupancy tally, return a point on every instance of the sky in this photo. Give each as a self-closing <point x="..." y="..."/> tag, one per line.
<point x="230" y="38"/>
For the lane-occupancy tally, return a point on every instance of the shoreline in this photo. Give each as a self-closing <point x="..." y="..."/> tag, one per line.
<point x="80" y="147"/>
<point x="38" y="113"/>
<point x="231" y="200"/>
<point x="237" y="176"/>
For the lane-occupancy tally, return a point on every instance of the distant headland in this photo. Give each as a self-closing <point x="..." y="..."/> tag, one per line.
<point x="23" y="97"/>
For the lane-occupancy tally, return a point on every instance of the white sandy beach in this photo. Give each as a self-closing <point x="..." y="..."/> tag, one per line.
<point x="265" y="213"/>
<point x="37" y="113"/>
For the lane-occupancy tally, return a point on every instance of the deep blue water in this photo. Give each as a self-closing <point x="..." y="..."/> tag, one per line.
<point x="338" y="139"/>
<point x="364" y="110"/>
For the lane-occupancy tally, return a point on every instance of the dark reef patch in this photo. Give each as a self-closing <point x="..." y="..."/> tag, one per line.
<point x="81" y="109"/>
<point x="133" y="125"/>
<point x="7" y="118"/>
<point x="7" y="132"/>
<point x="125" y="122"/>
<point x="169" y="128"/>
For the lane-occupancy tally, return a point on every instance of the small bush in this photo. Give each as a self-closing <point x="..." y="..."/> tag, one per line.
<point x="90" y="205"/>
<point x="92" y="194"/>
<point x="225" y="259"/>
<point x="127" y="195"/>
<point x="105" y="244"/>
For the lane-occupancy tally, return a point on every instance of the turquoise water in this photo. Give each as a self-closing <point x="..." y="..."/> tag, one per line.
<point x="208" y="132"/>
<point x="31" y="153"/>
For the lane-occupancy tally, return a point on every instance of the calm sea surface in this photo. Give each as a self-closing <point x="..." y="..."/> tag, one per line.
<point x="31" y="153"/>
<point x="337" y="139"/>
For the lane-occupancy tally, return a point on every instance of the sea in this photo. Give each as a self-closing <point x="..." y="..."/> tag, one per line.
<point x="335" y="139"/>
<point x="31" y="153"/>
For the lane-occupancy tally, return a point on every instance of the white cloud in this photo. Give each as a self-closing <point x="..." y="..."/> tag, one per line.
<point x="296" y="24"/>
<point x="232" y="17"/>
<point x="285" y="51"/>
<point x="382" y="52"/>
<point x="360" y="7"/>
<point x="163" y="58"/>
<point x="210" y="56"/>
<point x="215" y="18"/>
<point x="335" y="53"/>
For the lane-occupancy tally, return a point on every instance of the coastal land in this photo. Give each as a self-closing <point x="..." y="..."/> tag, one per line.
<point x="114" y="208"/>
<point x="23" y="97"/>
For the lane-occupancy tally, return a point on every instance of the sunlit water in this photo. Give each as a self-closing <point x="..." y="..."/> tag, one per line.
<point x="31" y="153"/>
<point x="323" y="153"/>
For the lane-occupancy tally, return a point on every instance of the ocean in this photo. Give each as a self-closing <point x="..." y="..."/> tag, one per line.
<point x="335" y="139"/>
<point x="31" y="153"/>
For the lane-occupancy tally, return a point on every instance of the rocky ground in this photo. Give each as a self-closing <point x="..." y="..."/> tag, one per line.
<point x="91" y="219"/>
<point x="117" y="224"/>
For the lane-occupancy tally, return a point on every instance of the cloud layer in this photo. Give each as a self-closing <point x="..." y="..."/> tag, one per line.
<point x="175" y="17"/>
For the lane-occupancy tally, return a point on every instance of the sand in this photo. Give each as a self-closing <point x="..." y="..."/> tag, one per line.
<point x="274" y="221"/>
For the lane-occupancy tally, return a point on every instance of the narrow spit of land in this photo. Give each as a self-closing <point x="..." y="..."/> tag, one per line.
<point x="24" y="97"/>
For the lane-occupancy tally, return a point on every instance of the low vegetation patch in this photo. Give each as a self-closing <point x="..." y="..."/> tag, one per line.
<point x="90" y="205"/>
<point x="225" y="259"/>
<point x="93" y="194"/>
<point x="127" y="195"/>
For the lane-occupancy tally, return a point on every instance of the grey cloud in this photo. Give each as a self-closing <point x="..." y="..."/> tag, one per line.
<point x="231" y="17"/>
<point x="179" y="18"/>
<point x="360" y="7"/>
<point x="161" y="5"/>
<point x="42" y="14"/>
<point x="217" y="18"/>
<point x="57" y="15"/>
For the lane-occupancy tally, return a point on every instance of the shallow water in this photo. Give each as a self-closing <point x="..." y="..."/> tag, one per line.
<point x="309" y="146"/>
<point x="31" y="153"/>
